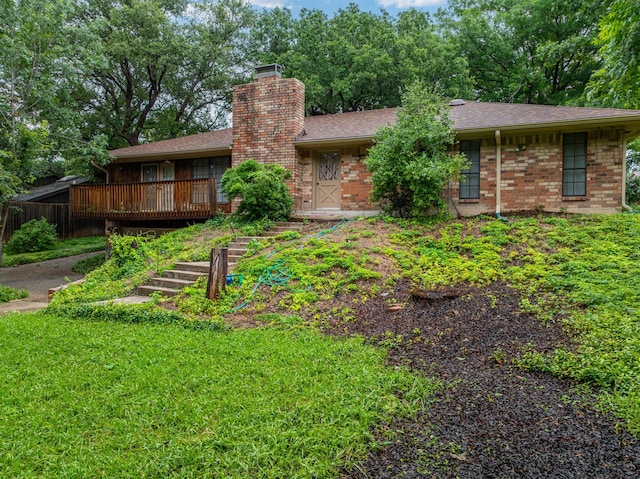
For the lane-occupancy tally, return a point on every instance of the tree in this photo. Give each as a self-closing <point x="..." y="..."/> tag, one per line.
<point x="617" y="83"/>
<point x="157" y="69"/>
<point x="527" y="51"/>
<point x="30" y="67"/>
<point x="360" y="60"/>
<point x="409" y="159"/>
<point x="262" y="189"/>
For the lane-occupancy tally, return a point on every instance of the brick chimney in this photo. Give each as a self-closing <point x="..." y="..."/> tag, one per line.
<point x="267" y="116"/>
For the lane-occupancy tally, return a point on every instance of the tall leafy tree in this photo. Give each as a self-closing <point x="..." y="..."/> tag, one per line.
<point x="360" y="60"/>
<point x="30" y="67"/>
<point x="617" y="83"/>
<point x="156" y="69"/>
<point x="528" y="51"/>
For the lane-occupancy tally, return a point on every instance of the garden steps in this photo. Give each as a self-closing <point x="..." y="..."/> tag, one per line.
<point x="186" y="273"/>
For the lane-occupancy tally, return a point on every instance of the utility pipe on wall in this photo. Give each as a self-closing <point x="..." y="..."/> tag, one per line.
<point x="498" y="173"/>
<point x="624" y="177"/>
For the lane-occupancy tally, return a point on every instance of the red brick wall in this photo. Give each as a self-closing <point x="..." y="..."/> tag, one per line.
<point x="267" y="116"/>
<point x="532" y="178"/>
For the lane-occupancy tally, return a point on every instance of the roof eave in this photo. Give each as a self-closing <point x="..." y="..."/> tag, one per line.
<point x="553" y="125"/>
<point x="329" y="142"/>
<point x="173" y="155"/>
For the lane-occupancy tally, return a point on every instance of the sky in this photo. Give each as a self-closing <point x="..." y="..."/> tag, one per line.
<point x="332" y="6"/>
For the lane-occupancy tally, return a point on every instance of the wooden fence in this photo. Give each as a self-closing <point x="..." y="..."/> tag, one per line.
<point x="55" y="213"/>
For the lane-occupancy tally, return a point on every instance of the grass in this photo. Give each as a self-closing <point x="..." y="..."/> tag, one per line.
<point x="89" y="399"/>
<point x="61" y="249"/>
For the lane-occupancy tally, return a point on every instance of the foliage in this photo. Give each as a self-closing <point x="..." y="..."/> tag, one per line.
<point x="60" y="249"/>
<point x="581" y="269"/>
<point x="409" y="160"/>
<point x="9" y="294"/>
<point x="161" y="400"/>
<point x="155" y="69"/>
<point x="526" y="51"/>
<point x="633" y="172"/>
<point x="262" y="189"/>
<point x="33" y="236"/>
<point x="368" y="59"/>
<point x="617" y="82"/>
<point x="86" y="265"/>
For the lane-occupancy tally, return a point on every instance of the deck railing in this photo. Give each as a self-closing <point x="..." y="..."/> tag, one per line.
<point x="180" y="199"/>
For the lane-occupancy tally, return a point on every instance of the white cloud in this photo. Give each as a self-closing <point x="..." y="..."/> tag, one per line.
<point x="410" y="3"/>
<point x="269" y="3"/>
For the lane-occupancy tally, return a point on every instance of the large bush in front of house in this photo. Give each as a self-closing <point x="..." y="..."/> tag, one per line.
<point x="409" y="160"/>
<point x="262" y="189"/>
<point x="633" y="173"/>
<point x="33" y="236"/>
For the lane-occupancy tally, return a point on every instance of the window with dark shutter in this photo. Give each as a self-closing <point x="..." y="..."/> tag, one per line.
<point x="574" y="164"/>
<point x="470" y="179"/>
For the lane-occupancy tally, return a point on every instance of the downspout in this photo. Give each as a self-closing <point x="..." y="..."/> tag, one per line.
<point x="499" y="176"/>
<point x="624" y="177"/>
<point x="98" y="167"/>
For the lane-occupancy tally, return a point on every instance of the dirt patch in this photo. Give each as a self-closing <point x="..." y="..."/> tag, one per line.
<point x="492" y="419"/>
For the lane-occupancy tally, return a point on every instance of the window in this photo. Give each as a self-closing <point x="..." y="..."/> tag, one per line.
<point x="209" y="168"/>
<point x="470" y="181"/>
<point x="574" y="164"/>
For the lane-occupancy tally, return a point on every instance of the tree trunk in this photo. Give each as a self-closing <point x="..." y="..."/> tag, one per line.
<point x="4" y="214"/>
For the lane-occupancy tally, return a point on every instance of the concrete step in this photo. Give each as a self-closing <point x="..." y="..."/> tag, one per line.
<point x="197" y="266"/>
<point x="181" y="274"/>
<point x="290" y="224"/>
<point x="146" y="290"/>
<point x="173" y="283"/>
<point x="245" y="240"/>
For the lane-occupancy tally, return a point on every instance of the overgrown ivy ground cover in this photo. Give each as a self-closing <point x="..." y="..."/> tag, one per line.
<point x="583" y="269"/>
<point x="102" y="398"/>
<point x="580" y="269"/>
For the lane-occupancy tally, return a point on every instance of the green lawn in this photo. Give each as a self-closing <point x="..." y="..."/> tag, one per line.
<point x="106" y="399"/>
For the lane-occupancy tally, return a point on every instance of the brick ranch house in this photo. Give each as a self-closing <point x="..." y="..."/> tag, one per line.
<point x="522" y="157"/>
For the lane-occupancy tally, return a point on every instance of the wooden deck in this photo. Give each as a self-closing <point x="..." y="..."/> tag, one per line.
<point x="180" y="199"/>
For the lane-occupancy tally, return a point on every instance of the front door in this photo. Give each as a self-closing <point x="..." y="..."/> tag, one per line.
<point x="326" y="193"/>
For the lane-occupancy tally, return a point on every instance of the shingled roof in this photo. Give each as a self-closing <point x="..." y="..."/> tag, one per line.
<point x="186" y="146"/>
<point x="470" y="117"/>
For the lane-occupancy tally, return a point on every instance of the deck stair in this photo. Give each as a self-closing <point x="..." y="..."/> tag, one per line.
<point x="186" y="273"/>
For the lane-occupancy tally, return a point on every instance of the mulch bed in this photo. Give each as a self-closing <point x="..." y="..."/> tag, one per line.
<point x="491" y="419"/>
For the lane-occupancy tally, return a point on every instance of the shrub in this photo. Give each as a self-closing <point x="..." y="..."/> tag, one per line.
<point x="409" y="160"/>
<point x="262" y="189"/>
<point x="9" y="294"/>
<point x="33" y="236"/>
